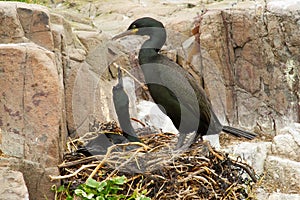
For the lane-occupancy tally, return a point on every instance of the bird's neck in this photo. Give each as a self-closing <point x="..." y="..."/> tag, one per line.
<point x="146" y="55"/>
<point x="150" y="47"/>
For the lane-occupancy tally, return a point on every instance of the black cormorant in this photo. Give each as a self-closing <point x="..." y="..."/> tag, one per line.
<point x="99" y="145"/>
<point x="121" y="103"/>
<point x="174" y="89"/>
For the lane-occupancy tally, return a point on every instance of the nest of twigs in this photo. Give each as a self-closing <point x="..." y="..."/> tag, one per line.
<point x="199" y="172"/>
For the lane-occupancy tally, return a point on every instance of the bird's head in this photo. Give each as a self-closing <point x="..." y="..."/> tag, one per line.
<point x="150" y="27"/>
<point x="144" y="26"/>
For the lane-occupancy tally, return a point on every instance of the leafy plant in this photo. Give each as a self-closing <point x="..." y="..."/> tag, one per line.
<point x="101" y="190"/>
<point x="112" y="189"/>
<point x="106" y="190"/>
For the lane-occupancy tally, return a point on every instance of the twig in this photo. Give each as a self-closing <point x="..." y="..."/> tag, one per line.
<point x="73" y="174"/>
<point x="160" y="190"/>
<point x="77" y="162"/>
<point x="230" y="191"/>
<point x="136" y="120"/>
<point x="127" y="161"/>
<point x="246" y="168"/>
<point x="109" y="149"/>
<point x="72" y="142"/>
<point x="191" y="175"/>
<point x="212" y="151"/>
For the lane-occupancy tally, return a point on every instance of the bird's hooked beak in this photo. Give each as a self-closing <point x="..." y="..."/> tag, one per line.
<point x="128" y="32"/>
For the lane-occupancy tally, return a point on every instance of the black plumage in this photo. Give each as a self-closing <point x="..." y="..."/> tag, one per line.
<point x="100" y="144"/>
<point x="121" y="103"/>
<point x="173" y="88"/>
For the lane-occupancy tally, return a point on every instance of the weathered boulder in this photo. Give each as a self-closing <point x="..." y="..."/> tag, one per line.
<point x="22" y="22"/>
<point x="277" y="161"/>
<point x="11" y="29"/>
<point x="32" y="121"/>
<point x="286" y="145"/>
<point x="262" y="195"/>
<point x="12" y="185"/>
<point x="282" y="174"/>
<point x="36" y="25"/>
<point x="282" y="196"/>
<point x="255" y="154"/>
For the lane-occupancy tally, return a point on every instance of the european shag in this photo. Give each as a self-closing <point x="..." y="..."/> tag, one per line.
<point x="121" y="103"/>
<point x="99" y="145"/>
<point x="174" y="89"/>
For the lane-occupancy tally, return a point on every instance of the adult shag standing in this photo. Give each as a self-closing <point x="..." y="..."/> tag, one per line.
<point x="174" y="89"/>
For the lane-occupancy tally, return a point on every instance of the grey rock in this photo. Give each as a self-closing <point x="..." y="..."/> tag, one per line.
<point x="287" y="143"/>
<point x="12" y="185"/>
<point x="255" y="154"/>
<point x="263" y="195"/>
<point x="283" y="174"/>
<point x="281" y="196"/>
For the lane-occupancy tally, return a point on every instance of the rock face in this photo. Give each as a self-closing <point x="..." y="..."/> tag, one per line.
<point x="32" y="117"/>
<point x="250" y="58"/>
<point x="283" y="172"/>
<point x="277" y="161"/>
<point x="12" y="185"/>
<point x="57" y="78"/>
<point x="287" y="143"/>
<point x="32" y="104"/>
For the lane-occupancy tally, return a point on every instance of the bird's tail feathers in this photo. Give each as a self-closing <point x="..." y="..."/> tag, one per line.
<point x="238" y="133"/>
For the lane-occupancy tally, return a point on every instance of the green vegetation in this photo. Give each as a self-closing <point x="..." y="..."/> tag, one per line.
<point x="112" y="189"/>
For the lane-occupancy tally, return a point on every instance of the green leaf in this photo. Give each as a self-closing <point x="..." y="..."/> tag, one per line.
<point x="100" y="198"/>
<point x="92" y="183"/>
<point x="69" y="197"/>
<point x="114" y="187"/>
<point x="90" y="196"/>
<point x="101" y="186"/>
<point x="80" y="192"/>
<point x="61" y="188"/>
<point x="87" y="189"/>
<point x="144" y="191"/>
<point x="119" y="180"/>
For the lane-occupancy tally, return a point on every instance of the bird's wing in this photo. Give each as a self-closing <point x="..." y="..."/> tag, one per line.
<point x="174" y="77"/>
<point x="185" y="87"/>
